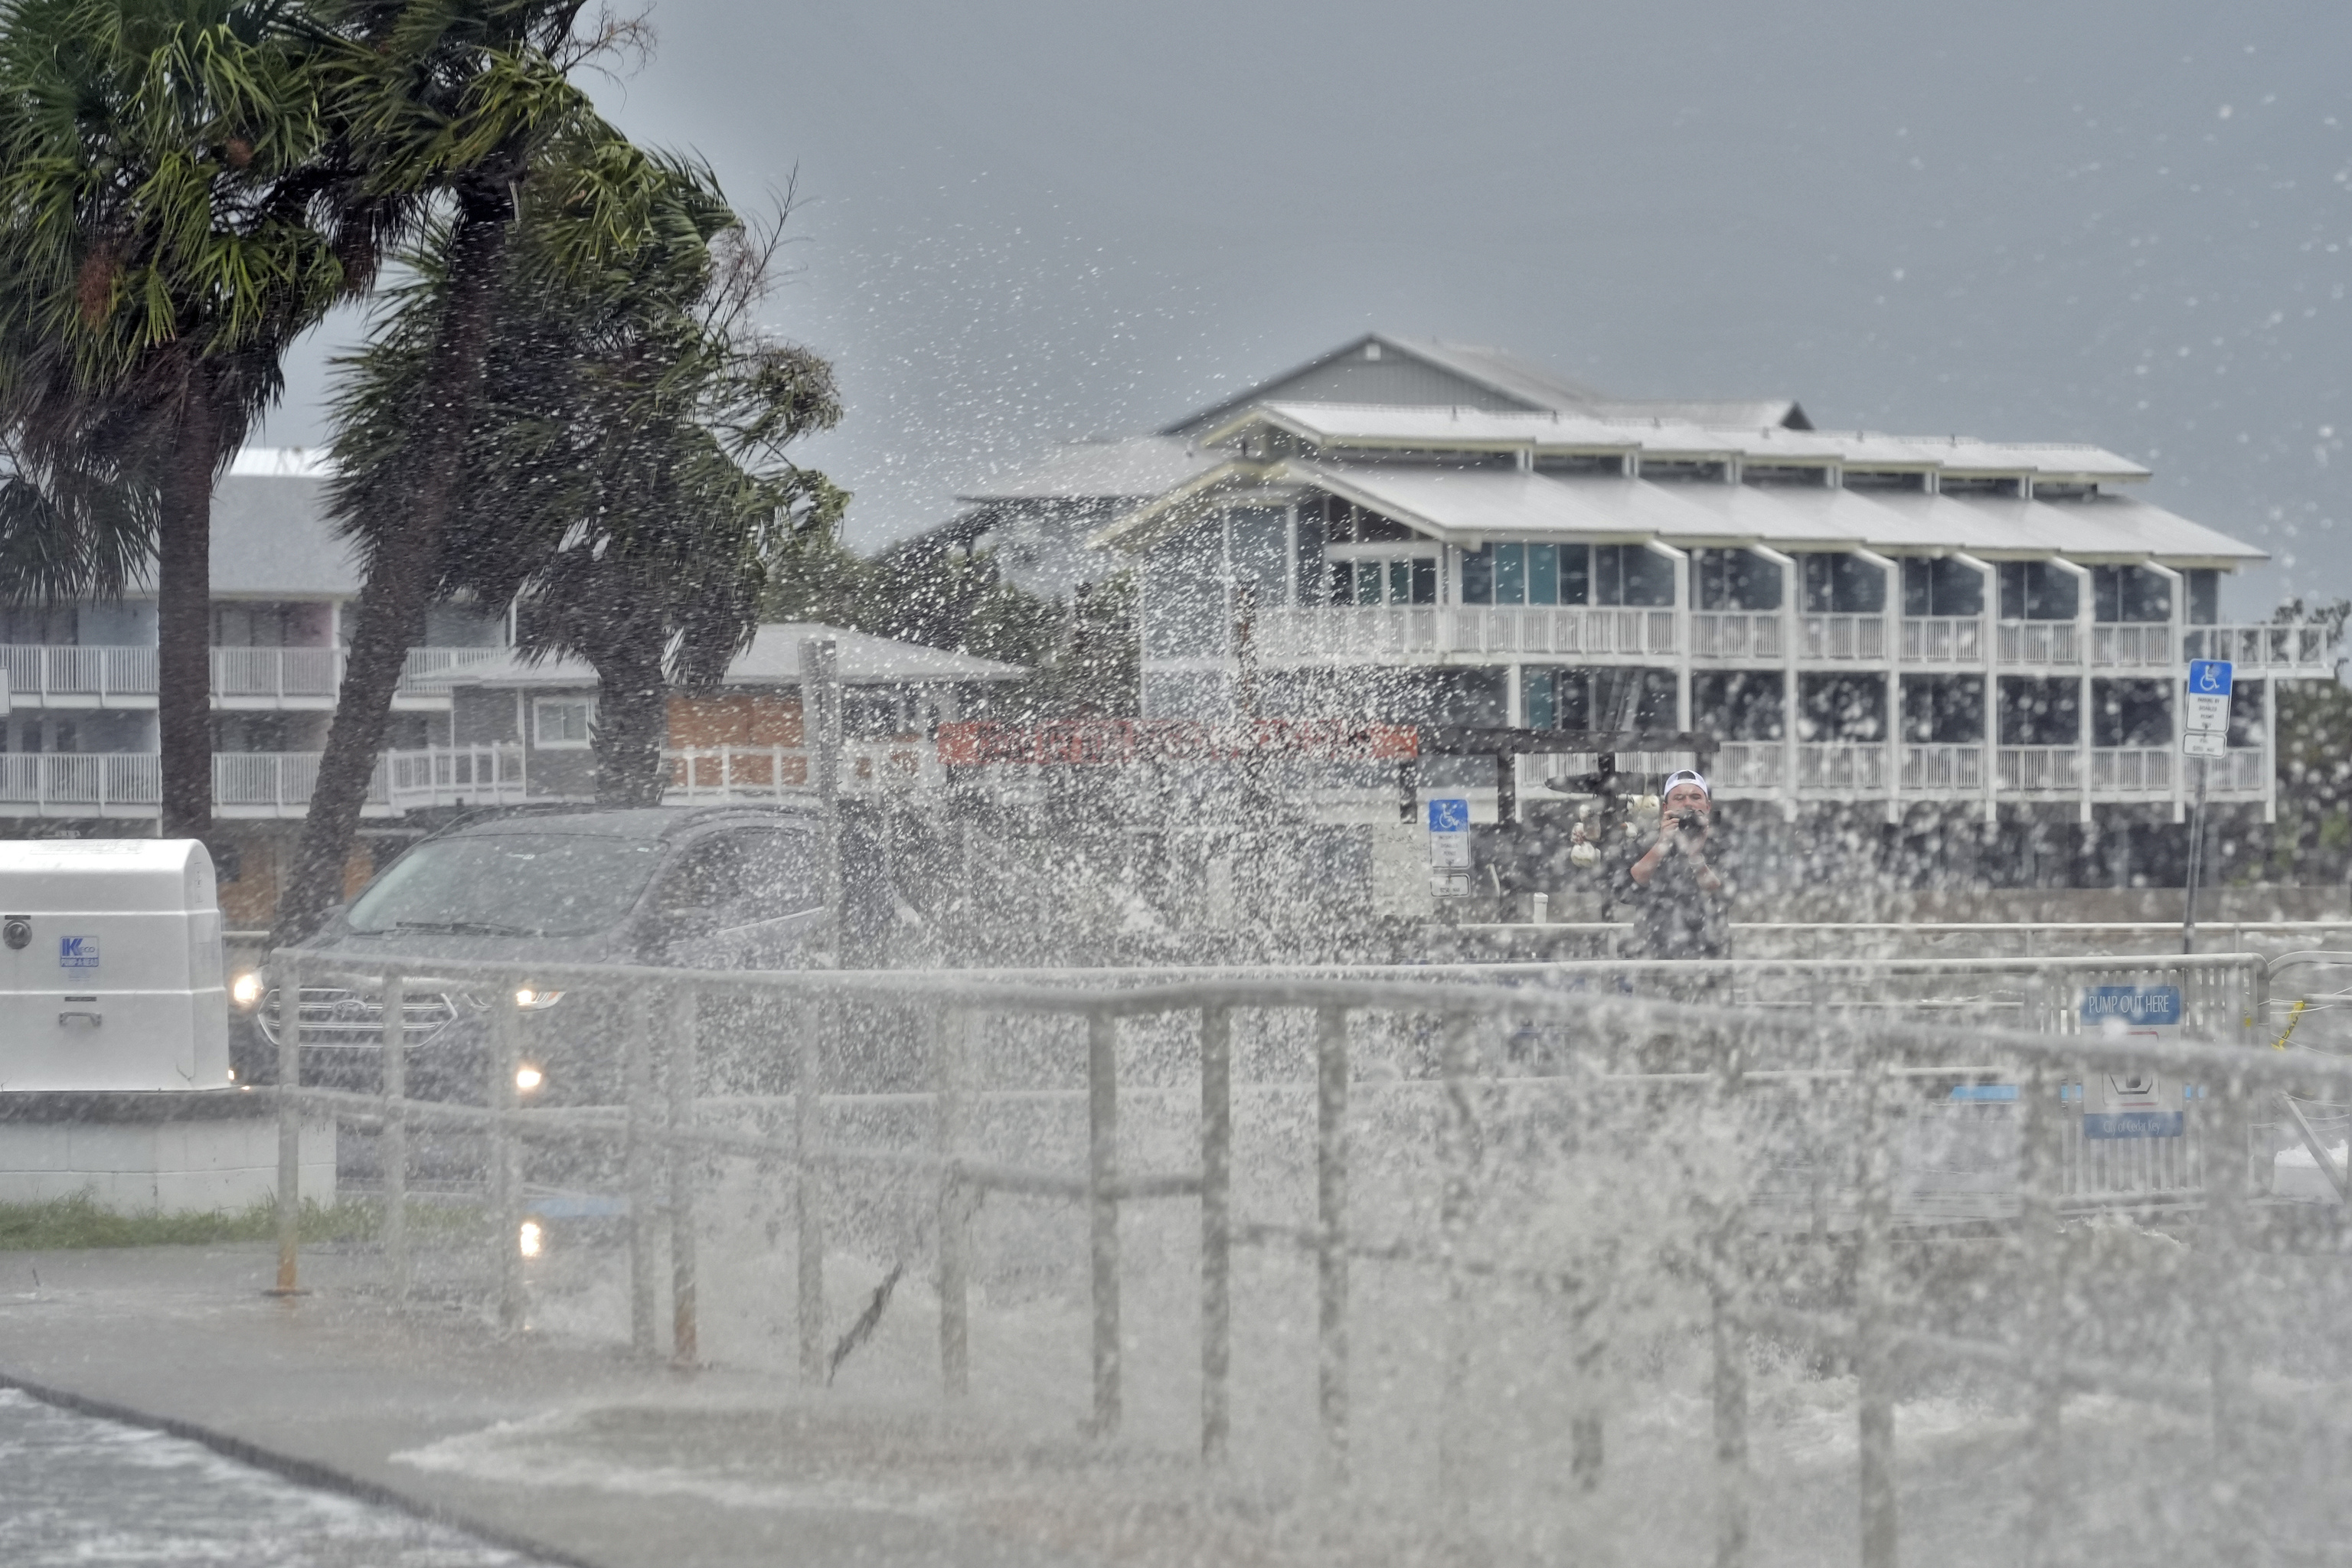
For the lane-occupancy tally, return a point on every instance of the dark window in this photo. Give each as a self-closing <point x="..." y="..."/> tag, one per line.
<point x="1478" y="575"/>
<point x="1575" y="575"/>
<point x="2040" y="712"/>
<point x="1943" y="709"/>
<point x="1842" y="708"/>
<point x="741" y="876"/>
<point x="2204" y="596"/>
<point x="2037" y="590"/>
<point x="2246" y="713"/>
<point x="1942" y="586"/>
<point x="1632" y="574"/>
<point x="1738" y="705"/>
<point x="1310" y="550"/>
<point x="1184" y="598"/>
<point x="1543" y="574"/>
<point x="1257" y="546"/>
<point x="1510" y="574"/>
<point x="1735" y="580"/>
<point x="2130" y="593"/>
<point x="1424" y="580"/>
<point x="1843" y="585"/>
<point x="2131" y="712"/>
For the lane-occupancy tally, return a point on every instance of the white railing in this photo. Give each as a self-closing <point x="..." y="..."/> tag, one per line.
<point x="2039" y="770"/>
<point x="2298" y="648"/>
<point x="1843" y="636"/>
<point x="81" y="676"/>
<point x="2132" y="646"/>
<point x="1943" y="639"/>
<point x="1377" y="630"/>
<point x="455" y="775"/>
<point x="96" y="783"/>
<point x="1750" y="764"/>
<point x="1728" y="634"/>
<point x="2244" y="771"/>
<point x="2131" y="770"/>
<point x="1856" y="765"/>
<point x="1943" y="768"/>
<point x="2041" y="642"/>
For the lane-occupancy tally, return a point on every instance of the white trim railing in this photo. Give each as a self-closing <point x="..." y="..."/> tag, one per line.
<point x="1940" y="768"/>
<point x="2041" y="770"/>
<point x="81" y="676"/>
<point x="1943" y="639"/>
<point x="2298" y="648"/>
<point x="1842" y="767"/>
<point x="1842" y="636"/>
<point x="2041" y="643"/>
<point x="2124" y="646"/>
<point x="2131" y="770"/>
<point x="80" y="784"/>
<point x="1750" y="764"/>
<point x="1737" y="634"/>
<point x="1378" y="630"/>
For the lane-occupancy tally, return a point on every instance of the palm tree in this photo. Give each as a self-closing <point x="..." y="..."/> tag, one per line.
<point x="455" y="122"/>
<point x="624" y="474"/>
<point x="156" y="258"/>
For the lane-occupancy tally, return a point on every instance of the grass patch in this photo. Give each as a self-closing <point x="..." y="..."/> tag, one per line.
<point x="80" y="1221"/>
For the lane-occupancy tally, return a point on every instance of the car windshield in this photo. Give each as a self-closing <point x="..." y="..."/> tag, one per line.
<point x="510" y="884"/>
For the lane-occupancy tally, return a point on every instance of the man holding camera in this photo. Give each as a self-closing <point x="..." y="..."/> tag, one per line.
<point x="1676" y="894"/>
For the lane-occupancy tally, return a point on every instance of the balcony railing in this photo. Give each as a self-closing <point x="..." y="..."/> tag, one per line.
<point x="1374" y="631"/>
<point x="1845" y="766"/>
<point x="499" y="774"/>
<point x="2296" y="649"/>
<point x="103" y="676"/>
<point x="1842" y="636"/>
<point x="2041" y="770"/>
<point x="1729" y="633"/>
<point x="2132" y="646"/>
<point x="2131" y="770"/>
<point x="102" y="784"/>
<point x="2041" y="643"/>
<point x="1750" y="764"/>
<point x="1941" y="769"/>
<point x="1943" y="639"/>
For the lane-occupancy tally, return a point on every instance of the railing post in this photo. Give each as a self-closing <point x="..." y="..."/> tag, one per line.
<point x="392" y="1142"/>
<point x="680" y="1073"/>
<point x="1102" y="1212"/>
<point x="1331" y="1235"/>
<point x="637" y="1170"/>
<point x="809" y="1271"/>
<point x="2042" y="1255"/>
<point x="1874" y="1283"/>
<point x="505" y="1172"/>
<point x="1726" y="1286"/>
<point x="1216" y="1229"/>
<point x="948" y="1044"/>
<point x="2225" y="1322"/>
<point x="1459" y="1153"/>
<point x="289" y="1127"/>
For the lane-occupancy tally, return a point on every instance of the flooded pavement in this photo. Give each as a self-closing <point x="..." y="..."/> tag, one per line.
<point x="81" y="1490"/>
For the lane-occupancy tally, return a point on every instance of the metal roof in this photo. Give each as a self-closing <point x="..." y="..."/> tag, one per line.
<point x="1372" y="426"/>
<point x="1126" y="469"/>
<point x="773" y="659"/>
<point x="1472" y="506"/>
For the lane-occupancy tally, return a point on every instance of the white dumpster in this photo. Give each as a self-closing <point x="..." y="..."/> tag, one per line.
<point x="111" y="973"/>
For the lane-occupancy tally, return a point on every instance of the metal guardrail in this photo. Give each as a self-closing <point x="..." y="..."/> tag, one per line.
<point x="1403" y="1157"/>
<point x="88" y="675"/>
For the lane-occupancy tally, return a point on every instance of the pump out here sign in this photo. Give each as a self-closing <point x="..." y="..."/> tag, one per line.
<point x="2133" y="1104"/>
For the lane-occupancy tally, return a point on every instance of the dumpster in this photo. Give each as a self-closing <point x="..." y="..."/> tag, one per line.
<point x="110" y="975"/>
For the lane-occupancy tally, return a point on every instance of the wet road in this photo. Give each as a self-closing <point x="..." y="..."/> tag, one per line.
<point x="75" y="1489"/>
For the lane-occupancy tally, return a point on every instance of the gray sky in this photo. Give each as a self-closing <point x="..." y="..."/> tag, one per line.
<point x="2119" y="221"/>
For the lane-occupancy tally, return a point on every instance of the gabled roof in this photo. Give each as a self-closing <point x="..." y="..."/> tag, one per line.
<point x="1473" y="505"/>
<point x="1130" y="469"/>
<point x="773" y="659"/>
<point x="1336" y="428"/>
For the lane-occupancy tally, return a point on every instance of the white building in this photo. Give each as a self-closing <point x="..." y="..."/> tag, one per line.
<point x="1858" y="618"/>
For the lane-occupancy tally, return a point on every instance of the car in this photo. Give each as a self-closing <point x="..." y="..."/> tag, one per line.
<point x="719" y="887"/>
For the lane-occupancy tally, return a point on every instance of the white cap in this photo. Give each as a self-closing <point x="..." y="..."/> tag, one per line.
<point x="1682" y="777"/>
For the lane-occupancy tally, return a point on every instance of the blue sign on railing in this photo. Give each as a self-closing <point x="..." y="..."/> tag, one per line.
<point x="2209" y="676"/>
<point x="2143" y="1005"/>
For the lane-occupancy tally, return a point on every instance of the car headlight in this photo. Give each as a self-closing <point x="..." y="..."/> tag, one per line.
<point x="247" y="989"/>
<point x="531" y="999"/>
<point x="528" y="1078"/>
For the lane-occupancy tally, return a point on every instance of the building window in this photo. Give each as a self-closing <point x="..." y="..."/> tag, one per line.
<point x="2127" y="593"/>
<point x="1533" y="575"/>
<point x="557" y="722"/>
<point x="1942" y="586"/>
<point x="1843" y="584"/>
<point x="1632" y="574"/>
<point x="1735" y="580"/>
<point x="2037" y="590"/>
<point x="1384" y="580"/>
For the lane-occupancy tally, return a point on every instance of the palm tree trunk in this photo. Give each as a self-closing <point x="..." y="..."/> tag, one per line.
<point x="632" y="722"/>
<point x="401" y="579"/>
<point x="184" y="617"/>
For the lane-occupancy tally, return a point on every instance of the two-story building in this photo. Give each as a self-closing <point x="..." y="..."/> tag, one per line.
<point x="1861" y="620"/>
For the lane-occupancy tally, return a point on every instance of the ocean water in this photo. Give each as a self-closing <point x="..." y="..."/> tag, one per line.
<point x="76" y="1489"/>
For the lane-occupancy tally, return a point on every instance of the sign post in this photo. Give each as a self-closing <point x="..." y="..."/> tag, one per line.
<point x="1449" y="846"/>
<point x="2204" y="736"/>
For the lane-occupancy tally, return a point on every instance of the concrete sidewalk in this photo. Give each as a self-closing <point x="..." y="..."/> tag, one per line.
<point x="570" y="1449"/>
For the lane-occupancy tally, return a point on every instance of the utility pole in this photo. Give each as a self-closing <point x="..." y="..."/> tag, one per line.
<point x="2196" y="856"/>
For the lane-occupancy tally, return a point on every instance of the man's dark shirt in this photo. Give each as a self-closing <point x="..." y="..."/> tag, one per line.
<point x="1674" y="916"/>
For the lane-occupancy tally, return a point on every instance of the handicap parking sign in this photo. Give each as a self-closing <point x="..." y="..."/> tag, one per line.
<point x="2209" y="676"/>
<point x="1449" y="816"/>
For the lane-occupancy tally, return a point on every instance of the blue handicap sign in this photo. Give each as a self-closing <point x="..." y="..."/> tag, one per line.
<point x="2209" y="676"/>
<point x="1449" y="816"/>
